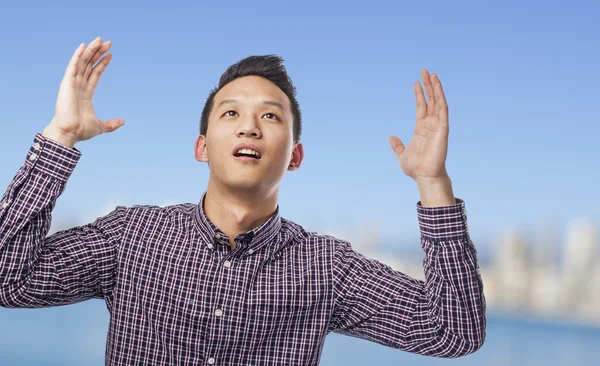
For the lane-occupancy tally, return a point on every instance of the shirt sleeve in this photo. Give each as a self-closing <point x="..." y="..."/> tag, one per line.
<point x="68" y="266"/>
<point x="443" y="316"/>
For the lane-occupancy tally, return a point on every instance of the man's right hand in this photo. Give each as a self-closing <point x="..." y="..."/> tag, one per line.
<point x="75" y="119"/>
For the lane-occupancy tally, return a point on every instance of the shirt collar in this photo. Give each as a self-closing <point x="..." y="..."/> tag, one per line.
<point x="254" y="238"/>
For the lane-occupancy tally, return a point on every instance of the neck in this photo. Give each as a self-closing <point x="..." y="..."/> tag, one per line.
<point x="235" y="212"/>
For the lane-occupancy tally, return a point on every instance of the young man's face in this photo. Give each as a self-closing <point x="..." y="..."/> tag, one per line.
<point x="253" y="111"/>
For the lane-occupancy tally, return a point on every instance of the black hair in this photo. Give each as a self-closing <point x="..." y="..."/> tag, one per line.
<point x="269" y="67"/>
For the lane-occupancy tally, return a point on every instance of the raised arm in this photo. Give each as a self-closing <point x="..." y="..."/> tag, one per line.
<point x="75" y="264"/>
<point x="445" y="315"/>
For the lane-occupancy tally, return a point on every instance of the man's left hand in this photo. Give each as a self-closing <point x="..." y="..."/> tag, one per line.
<point x="424" y="159"/>
<point x="425" y="156"/>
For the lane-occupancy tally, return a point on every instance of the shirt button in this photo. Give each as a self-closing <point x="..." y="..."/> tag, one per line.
<point x="33" y="157"/>
<point x="250" y="251"/>
<point x="218" y="312"/>
<point x="36" y="146"/>
<point x="218" y="236"/>
<point x="211" y="361"/>
<point x="209" y="245"/>
<point x="227" y="264"/>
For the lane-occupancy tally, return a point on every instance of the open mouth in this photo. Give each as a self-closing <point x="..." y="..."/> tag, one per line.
<point x="248" y="153"/>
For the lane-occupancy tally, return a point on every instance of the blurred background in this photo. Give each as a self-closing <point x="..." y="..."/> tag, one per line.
<point x="521" y="80"/>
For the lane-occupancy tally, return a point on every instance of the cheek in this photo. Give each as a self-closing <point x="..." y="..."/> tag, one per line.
<point x="284" y="152"/>
<point x="216" y="143"/>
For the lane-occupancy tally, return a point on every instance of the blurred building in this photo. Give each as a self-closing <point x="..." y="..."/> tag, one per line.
<point x="529" y="276"/>
<point x="544" y="275"/>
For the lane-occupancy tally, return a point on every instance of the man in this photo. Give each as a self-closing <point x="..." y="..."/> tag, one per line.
<point x="227" y="281"/>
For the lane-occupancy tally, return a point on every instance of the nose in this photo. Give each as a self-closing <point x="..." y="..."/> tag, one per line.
<point x="249" y="128"/>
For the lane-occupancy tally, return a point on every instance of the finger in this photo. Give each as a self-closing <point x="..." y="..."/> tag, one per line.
<point x="87" y="55"/>
<point x="420" y="99"/>
<point x="99" y="52"/>
<point x="428" y="91"/>
<point x="397" y="145"/>
<point x="72" y="66"/>
<point x="112" y="124"/>
<point x="440" y="98"/>
<point x="98" y="70"/>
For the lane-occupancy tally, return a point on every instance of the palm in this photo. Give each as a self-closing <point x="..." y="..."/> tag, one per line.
<point x="75" y="108"/>
<point x="75" y="114"/>
<point x="425" y="155"/>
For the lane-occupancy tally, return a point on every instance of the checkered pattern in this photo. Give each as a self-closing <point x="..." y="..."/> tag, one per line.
<point x="179" y="295"/>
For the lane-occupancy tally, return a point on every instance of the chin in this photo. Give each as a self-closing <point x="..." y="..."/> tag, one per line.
<point x="246" y="184"/>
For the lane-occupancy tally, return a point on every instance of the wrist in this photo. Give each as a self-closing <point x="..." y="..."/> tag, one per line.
<point x="58" y="136"/>
<point x="436" y="191"/>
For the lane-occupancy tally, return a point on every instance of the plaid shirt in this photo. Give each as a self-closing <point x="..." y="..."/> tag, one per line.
<point x="179" y="295"/>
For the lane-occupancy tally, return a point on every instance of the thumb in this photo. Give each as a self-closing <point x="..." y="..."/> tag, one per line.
<point x="112" y="124"/>
<point x="397" y="145"/>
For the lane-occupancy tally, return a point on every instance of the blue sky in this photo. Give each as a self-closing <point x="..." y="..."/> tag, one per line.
<point x="521" y="80"/>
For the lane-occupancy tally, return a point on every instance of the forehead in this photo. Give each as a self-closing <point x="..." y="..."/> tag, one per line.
<point x="252" y="89"/>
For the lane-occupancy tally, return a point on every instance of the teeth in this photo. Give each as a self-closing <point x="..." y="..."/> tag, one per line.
<point x="248" y="152"/>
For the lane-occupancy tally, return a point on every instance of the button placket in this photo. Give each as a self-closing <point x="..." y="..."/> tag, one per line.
<point x="220" y="299"/>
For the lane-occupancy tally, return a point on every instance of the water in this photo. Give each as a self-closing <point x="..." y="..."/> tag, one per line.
<point x="510" y="341"/>
<point x="75" y="335"/>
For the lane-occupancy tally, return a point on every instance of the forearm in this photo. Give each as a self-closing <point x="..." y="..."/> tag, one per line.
<point x="453" y="285"/>
<point x="25" y="213"/>
<point x="36" y="186"/>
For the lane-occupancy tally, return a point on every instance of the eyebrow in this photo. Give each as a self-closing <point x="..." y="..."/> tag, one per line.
<point x="267" y="102"/>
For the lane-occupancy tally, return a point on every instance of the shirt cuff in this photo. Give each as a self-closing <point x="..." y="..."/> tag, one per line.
<point x="443" y="222"/>
<point x="52" y="158"/>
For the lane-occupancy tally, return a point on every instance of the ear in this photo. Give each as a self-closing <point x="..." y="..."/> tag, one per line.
<point x="200" y="149"/>
<point x="297" y="156"/>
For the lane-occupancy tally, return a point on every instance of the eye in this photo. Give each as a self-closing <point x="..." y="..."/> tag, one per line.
<point x="230" y="113"/>
<point x="270" y="116"/>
